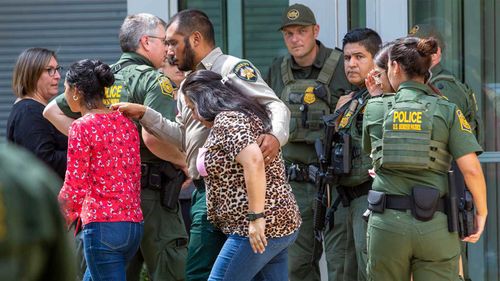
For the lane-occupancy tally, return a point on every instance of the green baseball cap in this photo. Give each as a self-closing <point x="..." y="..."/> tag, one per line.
<point x="426" y="31"/>
<point x="297" y="14"/>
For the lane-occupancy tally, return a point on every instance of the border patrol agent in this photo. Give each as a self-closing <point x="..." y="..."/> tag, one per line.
<point x="33" y="242"/>
<point x="309" y="80"/>
<point x="457" y="93"/>
<point x="412" y="146"/>
<point x="164" y="244"/>
<point x="359" y="46"/>
<point x="451" y="87"/>
<point x="190" y="36"/>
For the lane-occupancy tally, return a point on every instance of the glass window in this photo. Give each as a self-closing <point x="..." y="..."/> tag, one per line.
<point x="357" y="14"/>
<point x="445" y="17"/>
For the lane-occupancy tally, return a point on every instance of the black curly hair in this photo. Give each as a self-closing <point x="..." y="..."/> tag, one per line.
<point x="90" y="77"/>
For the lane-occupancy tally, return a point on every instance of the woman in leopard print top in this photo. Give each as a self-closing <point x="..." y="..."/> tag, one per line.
<point x="238" y="183"/>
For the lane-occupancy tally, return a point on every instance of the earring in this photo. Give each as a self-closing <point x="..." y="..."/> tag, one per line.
<point x="75" y="97"/>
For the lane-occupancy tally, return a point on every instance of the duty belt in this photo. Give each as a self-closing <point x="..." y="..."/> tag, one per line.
<point x="151" y="176"/>
<point x="348" y="193"/>
<point x="404" y="202"/>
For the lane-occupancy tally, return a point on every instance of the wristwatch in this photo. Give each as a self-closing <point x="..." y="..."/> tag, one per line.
<point x="251" y="216"/>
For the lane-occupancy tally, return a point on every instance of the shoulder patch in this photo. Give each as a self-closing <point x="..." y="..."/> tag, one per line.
<point x="165" y="86"/>
<point x="464" y="125"/>
<point x="245" y="71"/>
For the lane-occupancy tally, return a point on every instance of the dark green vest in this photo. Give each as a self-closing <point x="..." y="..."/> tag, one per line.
<point x="407" y="130"/>
<point x="308" y="100"/>
<point x="351" y="123"/>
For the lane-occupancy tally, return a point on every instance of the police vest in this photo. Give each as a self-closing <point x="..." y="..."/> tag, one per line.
<point x="406" y="143"/>
<point x="120" y="90"/>
<point x="352" y="123"/>
<point x="471" y="115"/>
<point x="308" y="100"/>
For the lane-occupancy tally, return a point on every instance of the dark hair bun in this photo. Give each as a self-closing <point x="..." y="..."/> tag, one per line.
<point x="427" y="47"/>
<point x="104" y="74"/>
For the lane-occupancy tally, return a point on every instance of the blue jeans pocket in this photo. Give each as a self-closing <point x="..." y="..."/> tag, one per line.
<point x="115" y="236"/>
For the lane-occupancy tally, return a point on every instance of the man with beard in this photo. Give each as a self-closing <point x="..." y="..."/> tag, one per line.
<point x="142" y="40"/>
<point x="191" y="46"/>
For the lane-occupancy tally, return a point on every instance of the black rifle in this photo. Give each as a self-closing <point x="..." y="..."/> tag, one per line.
<point x="322" y="177"/>
<point x="325" y="174"/>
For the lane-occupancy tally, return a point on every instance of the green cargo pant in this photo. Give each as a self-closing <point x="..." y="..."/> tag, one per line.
<point x="164" y="244"/>
<point x="347" y="242"/>
<point x="400" y="245"/>
<point x="339" y="254"/>
<point x="205" y="240"/>
<point x="303" y="257"/>
<point x="302" y="261"/>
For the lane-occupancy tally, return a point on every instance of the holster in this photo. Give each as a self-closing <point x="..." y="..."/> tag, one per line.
<point x="466" y="215"/>
<point x="425" y="202"/>
<point x="166" y="179"/>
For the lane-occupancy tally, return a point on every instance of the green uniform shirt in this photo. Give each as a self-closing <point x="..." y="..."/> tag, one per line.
<point x="146" y="86"/>
<point x="455" y="93"/>
<point x="302" y="152"/>
<point x="372" y="122"/>
<point x="449" y="127"/>
<point x="33" y="242"/>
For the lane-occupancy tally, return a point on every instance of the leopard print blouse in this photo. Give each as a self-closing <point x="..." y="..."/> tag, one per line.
<point x="227" y="200"/>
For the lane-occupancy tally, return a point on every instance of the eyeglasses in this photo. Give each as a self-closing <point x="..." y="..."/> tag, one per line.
<point x="52" y="71"/>
<point x="377" y="76"/>
<point x="161" y="38"/>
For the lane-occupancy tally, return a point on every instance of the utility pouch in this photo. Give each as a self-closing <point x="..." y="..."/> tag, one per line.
<point x="169" y="194"/>
<point x="376" y="201"/>
<point x="341" y="155"/>
<point x="425" y="202"/>
<point x="154" y="180"/>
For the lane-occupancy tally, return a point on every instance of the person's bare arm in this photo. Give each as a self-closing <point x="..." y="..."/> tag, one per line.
<point x="53" y="113"/>
<point x="255" y="180"/>
<point x="164" y="150"/>
<point x="474" y="179"/>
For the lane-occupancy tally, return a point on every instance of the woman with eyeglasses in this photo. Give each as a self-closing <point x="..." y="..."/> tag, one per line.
<point x="35" y="81"/>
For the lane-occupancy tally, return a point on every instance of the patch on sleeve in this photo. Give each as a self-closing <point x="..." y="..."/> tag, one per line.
<point x="166" y="86"/>
<point x="245" y="71"/>
<point x="464" y="125"/>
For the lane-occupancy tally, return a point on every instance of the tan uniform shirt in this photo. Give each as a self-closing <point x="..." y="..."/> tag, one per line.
<point x="191" y="134"/>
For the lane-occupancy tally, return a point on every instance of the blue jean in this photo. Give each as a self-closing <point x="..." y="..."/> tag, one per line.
<point x="237" y="261"/>
<point x="108" y="247"/>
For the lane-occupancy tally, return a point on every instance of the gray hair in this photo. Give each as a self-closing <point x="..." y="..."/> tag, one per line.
<point x="136" y="26"/>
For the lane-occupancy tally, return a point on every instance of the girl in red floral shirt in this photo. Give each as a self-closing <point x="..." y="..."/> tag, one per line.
<point x="102" y="183"/>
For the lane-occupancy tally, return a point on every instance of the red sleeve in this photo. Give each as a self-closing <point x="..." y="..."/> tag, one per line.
<point x="76" y="182"/>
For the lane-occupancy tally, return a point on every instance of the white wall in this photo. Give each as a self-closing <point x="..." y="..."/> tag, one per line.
<point x="331" y="15"/>
<point x="388" y="17"/>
